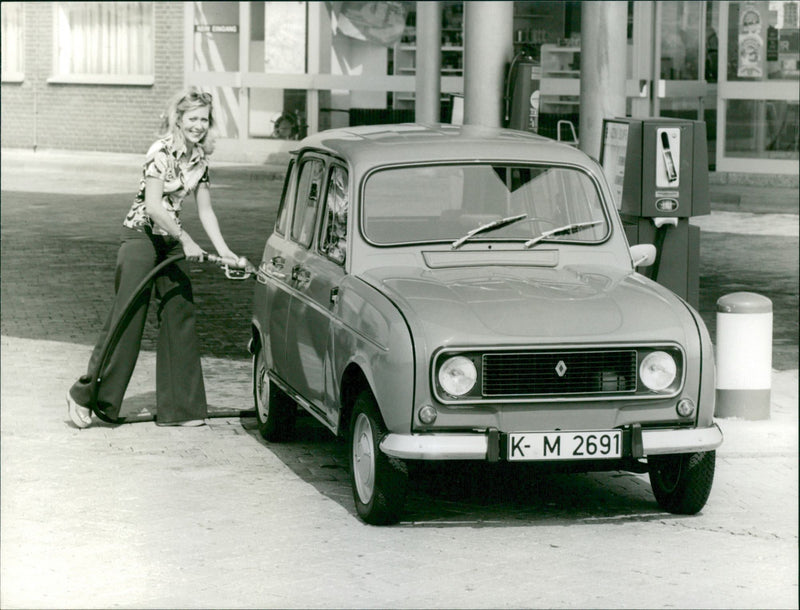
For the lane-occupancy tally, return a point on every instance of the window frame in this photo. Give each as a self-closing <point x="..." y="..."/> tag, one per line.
<point x="18" y="75"/>
<point x="605" y="205"/>
<point x="89" y="78"/>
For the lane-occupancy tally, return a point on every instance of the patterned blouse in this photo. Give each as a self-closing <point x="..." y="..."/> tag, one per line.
<point x="180" y="176"/>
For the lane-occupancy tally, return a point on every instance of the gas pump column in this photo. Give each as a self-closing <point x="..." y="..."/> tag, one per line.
<point x="658" y="170"/>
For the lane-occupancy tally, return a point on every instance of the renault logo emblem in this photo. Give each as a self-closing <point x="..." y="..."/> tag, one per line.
<point x="561" y="368"/>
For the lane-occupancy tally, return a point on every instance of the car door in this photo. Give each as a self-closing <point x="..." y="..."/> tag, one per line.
<point x="273" y="292"/>
<point x="317" y="270"/>
<point x="325" y="266"/>
<point x="308" y="320"/>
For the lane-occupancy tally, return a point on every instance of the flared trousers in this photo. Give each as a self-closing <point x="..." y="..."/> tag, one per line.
<point x="180" y="391"/>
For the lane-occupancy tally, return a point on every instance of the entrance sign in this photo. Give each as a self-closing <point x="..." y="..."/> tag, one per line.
<point x="205" y="28"/>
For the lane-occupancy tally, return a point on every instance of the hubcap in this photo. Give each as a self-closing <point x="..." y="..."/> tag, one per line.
<point x="363" y="458"/>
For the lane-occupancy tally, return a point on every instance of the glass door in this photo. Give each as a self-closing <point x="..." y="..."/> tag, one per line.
<point x="759" y="114"/>
<point x="679" y="59"/>
<point x="673" y="62"/>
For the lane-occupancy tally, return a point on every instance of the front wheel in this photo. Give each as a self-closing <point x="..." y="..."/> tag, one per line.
<point x="275" y="411"/>
<point x="379" y="482"/>
<point x="682" y="483"/>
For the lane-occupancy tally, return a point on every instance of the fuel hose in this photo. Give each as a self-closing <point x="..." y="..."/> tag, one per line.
<point x="115" y="333"/>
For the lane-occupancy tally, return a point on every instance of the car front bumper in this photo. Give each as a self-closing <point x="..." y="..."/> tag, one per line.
<point x="485" y="446"/>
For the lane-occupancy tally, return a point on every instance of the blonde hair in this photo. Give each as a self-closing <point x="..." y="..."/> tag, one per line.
<point x="189" y="99"/>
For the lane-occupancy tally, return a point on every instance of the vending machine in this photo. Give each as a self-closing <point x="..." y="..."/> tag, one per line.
<point x="658" y="171"/>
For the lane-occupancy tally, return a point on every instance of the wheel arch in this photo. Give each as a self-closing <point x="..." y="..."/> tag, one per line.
<point x="255" y="338"/>
<point x="354" y="381"/>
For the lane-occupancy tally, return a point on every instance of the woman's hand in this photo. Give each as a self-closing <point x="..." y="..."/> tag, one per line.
<point x="191" y="250"/>
<point x="228" y="254"/>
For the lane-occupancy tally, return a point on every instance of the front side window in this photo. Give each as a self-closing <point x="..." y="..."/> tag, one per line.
<point x="445" y="202"/>
<point x="333" y="242"/>
<point x="12" y="40"/>
<point x="104" y="39"/>
<point x="309" y="191"/>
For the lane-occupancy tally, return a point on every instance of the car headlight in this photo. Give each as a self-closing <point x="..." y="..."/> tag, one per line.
<point x="658" y="371"/>
<point x="457" y="375"/>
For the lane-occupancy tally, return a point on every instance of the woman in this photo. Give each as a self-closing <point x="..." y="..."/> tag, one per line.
<point x="175" y="166"/>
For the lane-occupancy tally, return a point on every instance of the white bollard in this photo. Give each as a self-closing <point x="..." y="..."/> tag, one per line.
<point x="744" y="356"/>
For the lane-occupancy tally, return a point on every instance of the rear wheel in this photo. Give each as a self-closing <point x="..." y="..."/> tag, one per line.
<point x="275" y="411"/>
<point x="682" y="483"/>
<point x="379" y="482"/>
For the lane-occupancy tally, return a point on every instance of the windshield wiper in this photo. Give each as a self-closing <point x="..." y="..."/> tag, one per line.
<point x="573" y="228"/>
<point x="489" y="226"/>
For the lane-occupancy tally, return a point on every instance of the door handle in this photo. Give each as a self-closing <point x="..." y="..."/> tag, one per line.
<point x="277" y="263"/>
<point x="300" y="274"/>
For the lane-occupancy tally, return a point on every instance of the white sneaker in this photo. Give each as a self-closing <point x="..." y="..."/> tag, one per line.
<point x="80" y="416"/>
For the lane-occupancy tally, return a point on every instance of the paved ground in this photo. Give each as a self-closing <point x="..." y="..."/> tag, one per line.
<point x="139" y="516"/>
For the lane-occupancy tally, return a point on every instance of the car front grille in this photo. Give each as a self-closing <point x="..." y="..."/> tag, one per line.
<point x="533" y="374"/>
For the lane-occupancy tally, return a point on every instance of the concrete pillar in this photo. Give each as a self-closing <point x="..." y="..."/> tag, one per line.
<point x="603" y="68"/>
<point x="427" y="102"/>
<point x="744" y="356"/>
<point x="488" y="48"/>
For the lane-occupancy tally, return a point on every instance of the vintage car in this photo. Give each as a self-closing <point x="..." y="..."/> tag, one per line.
<point x="449" y="292"/>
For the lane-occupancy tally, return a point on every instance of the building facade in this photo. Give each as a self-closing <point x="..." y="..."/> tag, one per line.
<point x="96" y="75"/>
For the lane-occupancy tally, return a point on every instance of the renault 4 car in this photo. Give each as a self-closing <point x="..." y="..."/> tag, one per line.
<point x="457" y="293"/>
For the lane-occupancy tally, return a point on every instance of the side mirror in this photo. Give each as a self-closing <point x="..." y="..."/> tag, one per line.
<point x="643" y="255"/>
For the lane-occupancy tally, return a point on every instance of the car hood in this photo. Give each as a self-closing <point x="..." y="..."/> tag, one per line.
<point x="533" y="305"/>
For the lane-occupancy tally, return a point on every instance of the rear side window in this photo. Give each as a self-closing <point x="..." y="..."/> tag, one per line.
<point x="333" y="240"/>
<point x="309" y="191"/>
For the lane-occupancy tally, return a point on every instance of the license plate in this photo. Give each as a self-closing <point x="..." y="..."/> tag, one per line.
<point x="594" y="445"/>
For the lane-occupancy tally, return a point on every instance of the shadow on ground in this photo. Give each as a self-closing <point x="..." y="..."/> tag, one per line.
<point x="472" y="494"/>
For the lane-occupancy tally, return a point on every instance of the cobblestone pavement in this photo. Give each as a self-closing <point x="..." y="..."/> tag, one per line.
<point x="138" y="516"/>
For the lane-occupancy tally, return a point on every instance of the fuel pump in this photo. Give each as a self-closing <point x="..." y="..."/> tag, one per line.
<point x="658" y="170"/>
<point x="523" y="83"/>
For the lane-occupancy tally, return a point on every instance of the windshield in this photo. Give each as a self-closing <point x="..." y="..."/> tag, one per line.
<point x="449" y="202"/>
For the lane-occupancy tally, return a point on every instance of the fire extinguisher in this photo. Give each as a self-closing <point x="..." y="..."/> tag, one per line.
<point x="522" y="93"/>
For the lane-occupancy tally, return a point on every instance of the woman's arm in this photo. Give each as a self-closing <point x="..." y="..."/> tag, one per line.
<point x="154" y="190"/>
<point x="209" y="220"/>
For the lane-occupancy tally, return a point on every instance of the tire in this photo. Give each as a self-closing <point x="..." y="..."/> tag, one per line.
<point x="682" y="483"/>
<point x="379" y="482"/>
<point x="275" y="411"/>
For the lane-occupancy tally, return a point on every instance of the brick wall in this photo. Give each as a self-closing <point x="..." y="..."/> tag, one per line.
<point x="114" y="118"/>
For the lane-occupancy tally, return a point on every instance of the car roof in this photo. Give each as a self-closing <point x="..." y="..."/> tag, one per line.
<point x="374" y="145"/>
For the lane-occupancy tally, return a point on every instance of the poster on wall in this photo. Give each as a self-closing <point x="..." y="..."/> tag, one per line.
<point x="377" y="22"/>
<point x="751" y="43"/>
<point x="789" y="52"/>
